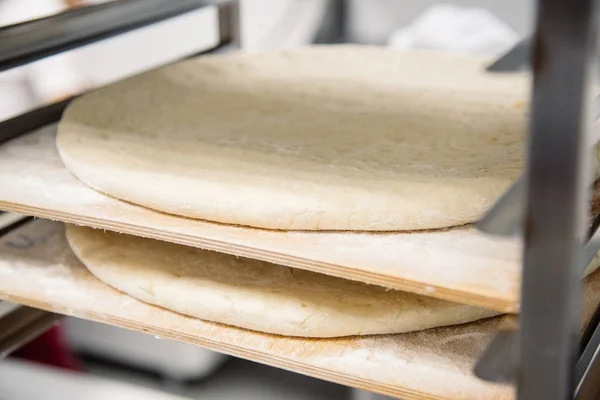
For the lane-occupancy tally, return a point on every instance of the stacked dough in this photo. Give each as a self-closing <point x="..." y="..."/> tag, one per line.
<point x="322" y="138"/>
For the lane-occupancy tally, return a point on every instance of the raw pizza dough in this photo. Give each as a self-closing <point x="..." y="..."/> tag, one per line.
<point x="320" y="138"/>
<point x="256" y="295"/>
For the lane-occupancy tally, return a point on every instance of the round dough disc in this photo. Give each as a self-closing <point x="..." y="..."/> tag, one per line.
<point x="320" y="138"/>
<point x="256" y="295"/>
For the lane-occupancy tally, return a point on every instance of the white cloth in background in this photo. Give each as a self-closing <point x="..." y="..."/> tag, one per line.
<point x="457" y="29"/>
<point x="26" y="87"/>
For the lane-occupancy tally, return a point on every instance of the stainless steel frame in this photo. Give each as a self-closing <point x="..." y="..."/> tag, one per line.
<point x="540" y="356"/>
<point x="516" y="59"/>
<point x="557" y="180"/>
<point x="23" y="325"/>
<point x="555" y="187"/>
<point x="30" y="41"/>
<point x="229" y="35"/>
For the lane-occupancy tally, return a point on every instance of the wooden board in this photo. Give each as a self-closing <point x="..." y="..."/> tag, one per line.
<point x="38" y="269"/>
<point x="459" y="264"/>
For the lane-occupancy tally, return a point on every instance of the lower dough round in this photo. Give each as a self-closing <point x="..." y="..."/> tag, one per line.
<point x="256" y="295"/>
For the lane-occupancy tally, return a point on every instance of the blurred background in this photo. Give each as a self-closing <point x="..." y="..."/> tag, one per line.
<point x="82" y="359"/>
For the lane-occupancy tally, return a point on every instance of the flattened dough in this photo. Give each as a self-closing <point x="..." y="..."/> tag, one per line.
<point x="254" y="294"/>
<point x="320" y="138"/>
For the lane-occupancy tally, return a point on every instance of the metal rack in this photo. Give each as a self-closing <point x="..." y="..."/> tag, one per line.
<point x="548" y="204"/>
<point x="555" y="192"/>
<point x="29" y="41"/>
<point x="33" y="40"/>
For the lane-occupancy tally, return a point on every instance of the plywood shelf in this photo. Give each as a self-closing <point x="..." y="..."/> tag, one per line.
<point x="38" y="269"/>
<point x="458" y="264"/>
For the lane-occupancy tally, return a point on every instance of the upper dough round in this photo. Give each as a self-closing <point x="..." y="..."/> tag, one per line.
<point x="256" y="295"/>
<point x="319" y="138"/>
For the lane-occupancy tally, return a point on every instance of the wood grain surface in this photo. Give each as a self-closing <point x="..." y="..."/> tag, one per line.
<point x="38" y="269"/>
<point x="459" y="264"/>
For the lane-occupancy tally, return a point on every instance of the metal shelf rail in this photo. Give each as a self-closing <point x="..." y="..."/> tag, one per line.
<point x="23" y="325"/>
<point x="548" y="205"/>
<point x="33" y="40"/>
<point x="30" y="41"/>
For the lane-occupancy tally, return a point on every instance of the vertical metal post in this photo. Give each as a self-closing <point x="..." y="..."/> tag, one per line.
<point x="230" y="23"/>
<point x="557" y="180"/>
<point x="587" y="371"/>
<point x="334" y="23"/>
